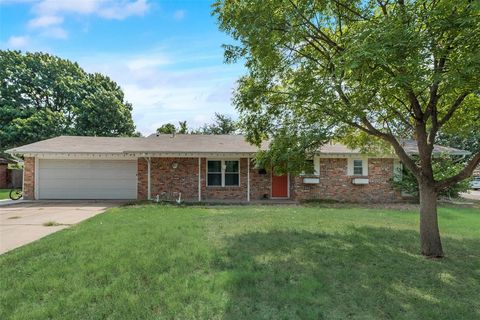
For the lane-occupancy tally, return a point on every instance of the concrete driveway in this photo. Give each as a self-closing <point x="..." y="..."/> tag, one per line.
<point x="472" y="195"/>
<point x="25" y="222"/>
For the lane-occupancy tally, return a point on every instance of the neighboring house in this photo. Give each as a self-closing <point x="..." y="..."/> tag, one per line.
<point x="3" y="173"/>
<point x="476" y="172"/>
<point x="201" y="168"/>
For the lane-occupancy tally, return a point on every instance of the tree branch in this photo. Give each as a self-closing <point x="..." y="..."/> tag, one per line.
<point x="462" y="175"/>
<point x="323" y="35"/>
<point x="455" y="105"/>
<point x="399" y="150"/>
<point x="415" y="105"/>
<point x="350" y="9"/>
<point x="384" y="7"/>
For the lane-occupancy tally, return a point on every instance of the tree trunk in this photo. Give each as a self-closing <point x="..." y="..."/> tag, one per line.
<point x="429" y="232"/>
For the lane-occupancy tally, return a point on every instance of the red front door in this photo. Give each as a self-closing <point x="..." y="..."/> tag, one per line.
<point x="279" y="186"/>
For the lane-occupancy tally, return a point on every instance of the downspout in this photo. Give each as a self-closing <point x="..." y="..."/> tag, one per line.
<point x="149" y="170"/>
<point x="248" y="179"/>
<point x="199" y="179"/>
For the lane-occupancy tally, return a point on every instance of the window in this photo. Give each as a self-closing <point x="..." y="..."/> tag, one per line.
<point x="232" y="177"/>
<point x="311" y="169"/>
<point x="397" y="170"/>
<point x="313" y="166"/>
<point x="358" y="167"/>
<point x="223" y="173"/>
<point x="214" y="173"/>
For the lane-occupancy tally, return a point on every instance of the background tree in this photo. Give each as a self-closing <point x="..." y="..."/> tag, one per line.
<point x="42" y="96"/>
<point x="222" y="124"/>
<point x="167" y="128"/>
<point x="182" y="127"/>
<point x="384" y="69"/>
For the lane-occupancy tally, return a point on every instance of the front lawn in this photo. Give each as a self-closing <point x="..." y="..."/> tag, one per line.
<point x="246" y="263"/>
<point x="4" y="194"/>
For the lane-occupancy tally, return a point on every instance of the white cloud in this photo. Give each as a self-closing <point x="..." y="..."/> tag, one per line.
<point x="57" y="33"/>
<point x="147" y="62"/>
<point x="44" y="21"/>
<point x="162" y="88"/>
<point x="179" y="14"/>
<point x="108" y="9"/>
<point x="122" y="10"/>
<point x="18" y="42"/>
<point x="50" y="14"/>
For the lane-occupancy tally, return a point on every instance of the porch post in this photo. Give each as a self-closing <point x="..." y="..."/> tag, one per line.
<point x="149" y="193"/>
<point x="248" y="179"/>
<point x="199" y="179"/>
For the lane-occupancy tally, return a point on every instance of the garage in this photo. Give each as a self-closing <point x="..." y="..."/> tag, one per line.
<point x="86" y="179"/>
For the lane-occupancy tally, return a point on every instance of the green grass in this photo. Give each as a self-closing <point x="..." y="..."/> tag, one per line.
<point x="51" y="224"/>
<point x="4" y="194"/>
<point x="246" y="262"/>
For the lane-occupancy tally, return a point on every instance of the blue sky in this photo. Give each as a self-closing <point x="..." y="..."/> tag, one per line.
<point x="166" y="55"/>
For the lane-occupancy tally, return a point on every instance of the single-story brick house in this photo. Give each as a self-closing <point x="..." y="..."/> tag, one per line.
<point x="200" y="168"/>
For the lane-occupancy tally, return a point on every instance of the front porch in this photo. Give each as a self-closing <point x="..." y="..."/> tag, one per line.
<point x="215" y="179"/>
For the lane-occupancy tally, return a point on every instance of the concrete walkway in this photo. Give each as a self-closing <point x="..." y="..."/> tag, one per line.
<point x="23" y="222"/>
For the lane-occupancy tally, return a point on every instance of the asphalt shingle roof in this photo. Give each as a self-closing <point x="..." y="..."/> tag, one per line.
<point x="188" y="143"/>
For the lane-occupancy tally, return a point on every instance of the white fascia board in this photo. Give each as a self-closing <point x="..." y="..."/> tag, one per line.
<point x="135" y="155"/>
<point x="354" y="155"/>
<point x="82" y="156"/>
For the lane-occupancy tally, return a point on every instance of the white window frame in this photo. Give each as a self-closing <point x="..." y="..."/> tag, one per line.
<point x="316" y="167"/>
<point x="397" y="170"/>
<point x="223" y="166"/>
<point x="350" y="171"/>
<point x="355" y="163"/>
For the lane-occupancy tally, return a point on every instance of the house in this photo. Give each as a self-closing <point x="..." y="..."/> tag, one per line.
<point x="4" y="173"/>
<point x="198" y="168"/>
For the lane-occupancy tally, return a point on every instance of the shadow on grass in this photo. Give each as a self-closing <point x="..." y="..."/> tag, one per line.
<point x="367" y="273"/>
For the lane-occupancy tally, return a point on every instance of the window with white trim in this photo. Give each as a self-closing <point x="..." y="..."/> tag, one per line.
<point x="223" y="173"/>
<point x="314" y="164"/>
<point x="357" y="167"/>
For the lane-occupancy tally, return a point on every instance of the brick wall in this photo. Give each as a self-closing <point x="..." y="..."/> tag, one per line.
<point x="29" y="178"/>
<point x="168" y="182"/>
<point x="334" y="182"/>
<point x="336" y="185"/>
<point x="142" y="191"/>
<point x="260" y="184"/>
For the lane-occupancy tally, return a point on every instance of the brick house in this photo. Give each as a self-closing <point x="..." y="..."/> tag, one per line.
<point x="4" y="176"/>
<point x="199" y="168"/>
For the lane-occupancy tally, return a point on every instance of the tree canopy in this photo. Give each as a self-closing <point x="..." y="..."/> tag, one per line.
<point x="167" y="128"/>
<point x="369" y="72"/>
<point x="222" y="124"/>
<point x="42" y="96"/>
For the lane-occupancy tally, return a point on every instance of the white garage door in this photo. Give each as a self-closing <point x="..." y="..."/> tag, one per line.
<point x="87" y="179"/>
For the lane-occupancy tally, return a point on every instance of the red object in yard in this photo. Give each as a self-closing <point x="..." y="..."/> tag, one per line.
<point x="279" y="186"/>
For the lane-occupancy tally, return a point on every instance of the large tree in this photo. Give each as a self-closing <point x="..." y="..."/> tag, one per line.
<point x="42" y="96"/>
<point x="384" y="69"/>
